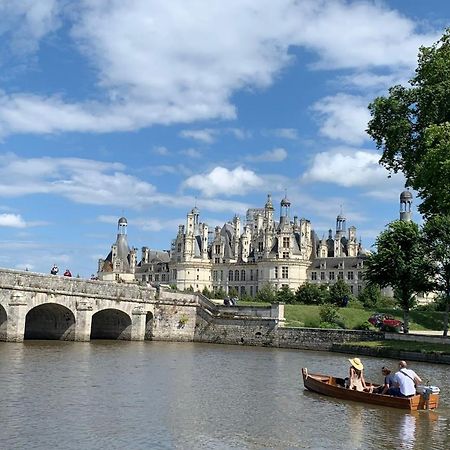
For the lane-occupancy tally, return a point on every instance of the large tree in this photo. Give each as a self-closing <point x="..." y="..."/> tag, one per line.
<point x="436" y="237"/>
<point x="411" y="127"/>
<point x="399" y="262"/>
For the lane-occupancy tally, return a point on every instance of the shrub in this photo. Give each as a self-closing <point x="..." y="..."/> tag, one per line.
<point x="285" y="295"/>
<point x="328" y="314"/>
<point x="339" y="291"/>
<point x="312" y="294"/>
<point x="266" y="294"/>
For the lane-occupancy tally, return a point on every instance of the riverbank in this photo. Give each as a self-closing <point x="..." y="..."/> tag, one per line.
<point x="398" y="349"/>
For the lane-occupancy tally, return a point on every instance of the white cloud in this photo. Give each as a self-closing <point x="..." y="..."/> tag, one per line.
<point x="12" y="220"/>
<point x="25" y="23"/>
<point x="274" y="155"/>
<point x="161" y="150"/>
<point x="343" y="117"/>
<point x="350" y="168"/>
<point x="179" y="61"/>
<point x="206" y="135"/>
<point x="286" y="133"/>
<point x="191" y="153"/>
<point x="224" y="181"/>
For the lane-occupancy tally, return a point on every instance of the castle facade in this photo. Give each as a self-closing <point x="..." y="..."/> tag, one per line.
<point x="242" y="258"/>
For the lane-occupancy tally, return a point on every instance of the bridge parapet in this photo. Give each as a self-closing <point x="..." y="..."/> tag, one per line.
<point x="30" y="281"/>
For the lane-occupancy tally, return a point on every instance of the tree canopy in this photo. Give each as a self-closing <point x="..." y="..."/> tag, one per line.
<point x="436" y="238"/>
<point x="411" y="126"/>
<point x="399" y="262"/>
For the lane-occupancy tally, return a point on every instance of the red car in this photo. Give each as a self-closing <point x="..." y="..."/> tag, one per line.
<point x="385" y="322"/>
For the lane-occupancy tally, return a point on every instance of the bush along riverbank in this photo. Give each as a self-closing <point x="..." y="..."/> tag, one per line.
<point x="395" y="349"/>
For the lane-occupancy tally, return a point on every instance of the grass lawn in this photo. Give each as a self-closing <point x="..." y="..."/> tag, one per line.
<point x="350" y="318"/>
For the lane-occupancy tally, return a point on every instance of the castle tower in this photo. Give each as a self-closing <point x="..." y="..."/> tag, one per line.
<point x="285" y="205"/>
<point x="340" y="226"/>
<point x="268" y="211"/>
<point x="405" y="206"/>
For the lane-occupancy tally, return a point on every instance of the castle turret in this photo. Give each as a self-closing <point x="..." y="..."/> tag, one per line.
<point x="405" y="206"/>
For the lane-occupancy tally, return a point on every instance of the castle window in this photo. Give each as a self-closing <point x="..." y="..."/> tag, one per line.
<point x="331" y="276"/>
<point x="217" y="260"/>
<point x="221" y="275"/>
<point x="275" y="272"/>
<point x="163" y="277"/>
<point x="156" y="277"/>
<point x="359" y="288"/>
<point x="285" y="255"/>
<point x="286" y="242"/>
<point x="217" y="248"/>
<point x="349" y="275"/>
<point x="242" y="290"/>
<point x="251" y="274"/>
<point x="174" y="274"/>
<point x="284" y="272"/>
<point x="340" y="275"/>
<point x="360" y="275"/>
<point x="251" y="291"/>
<point x="260" y="246"/>
<point x="322" y="276"/>
<point x="313" y="276"/>
<point x="230" y="275"/>
<point x="236" y="275"/>
<point x="351" y="288"/>
<point x="242" y="275"/>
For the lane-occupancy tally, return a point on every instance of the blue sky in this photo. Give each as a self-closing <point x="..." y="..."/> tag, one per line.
<point x="146" y="108"/>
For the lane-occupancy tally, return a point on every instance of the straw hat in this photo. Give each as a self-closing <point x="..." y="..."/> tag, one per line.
<point x="356" y="363"/>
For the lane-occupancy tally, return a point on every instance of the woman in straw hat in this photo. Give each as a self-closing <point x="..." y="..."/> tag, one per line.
<point x="356" y="376"/>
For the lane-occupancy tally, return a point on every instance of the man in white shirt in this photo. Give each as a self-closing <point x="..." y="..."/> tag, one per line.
<point x="405" y="381"/>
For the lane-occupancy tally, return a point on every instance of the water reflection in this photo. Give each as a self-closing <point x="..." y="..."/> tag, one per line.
<point x="158" y="395"/>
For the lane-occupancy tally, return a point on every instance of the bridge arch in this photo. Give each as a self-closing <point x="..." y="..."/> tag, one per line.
<point x="3" y="323"/>
<point x="50" y="321"/>
<point x="111" y="324"/>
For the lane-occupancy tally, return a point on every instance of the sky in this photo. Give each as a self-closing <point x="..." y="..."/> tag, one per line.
<point x="145" y="109"/>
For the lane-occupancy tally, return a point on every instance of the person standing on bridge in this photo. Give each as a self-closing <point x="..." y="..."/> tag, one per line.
<point x="54" y="270"/>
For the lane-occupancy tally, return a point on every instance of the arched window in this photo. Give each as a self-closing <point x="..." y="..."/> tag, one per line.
<point x="236" y="275"/>
<point x="242" y="275"/>
<point x="230" y="275"/>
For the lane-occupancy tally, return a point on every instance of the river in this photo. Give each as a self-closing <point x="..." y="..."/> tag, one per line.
<point x="157" y="395"/>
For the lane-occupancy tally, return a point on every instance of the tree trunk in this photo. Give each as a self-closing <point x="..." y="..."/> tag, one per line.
<point x="406" y="320"/>
<point x="447" y="307"/>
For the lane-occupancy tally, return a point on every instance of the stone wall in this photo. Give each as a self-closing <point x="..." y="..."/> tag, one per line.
<point x="321" y="338"/>
<point x="234" y="330"/>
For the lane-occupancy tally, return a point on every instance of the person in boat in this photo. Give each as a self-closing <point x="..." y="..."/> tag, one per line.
<point x="405" y="381"/>
<point x="388" y="381"/>
<point x="356" y="376"/>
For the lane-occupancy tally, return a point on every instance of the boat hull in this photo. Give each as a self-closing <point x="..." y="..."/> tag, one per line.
<point x="327" y="385"/>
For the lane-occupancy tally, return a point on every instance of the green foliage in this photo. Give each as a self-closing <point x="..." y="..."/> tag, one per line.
<point x="285" y="295"/>
<point x="207" y="293"/>
<point x="436" y="239"/>
<point x="266" y="294"/>
<point x="328" y="314"/>
<point x="232" y="292"/>
<point x="312" y="294"/>
<point x="411" y="127"/>
<point x="370" y="296"/>
<point x="173" y="287"/>
<point x="400" y="263"/>
<point x="338" y="291"/>
<point x="308" y="316"/>
<point x="220" y="293"/>
<point x="189" y="289"/>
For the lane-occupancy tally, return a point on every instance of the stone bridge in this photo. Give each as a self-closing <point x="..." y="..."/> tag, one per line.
<point x="36" y="306"/>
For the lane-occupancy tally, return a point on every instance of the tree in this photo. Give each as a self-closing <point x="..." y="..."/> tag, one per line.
<point x="411" y="127"/>
<point x="436" y="238"/>
<point x="285" y="295"/>
<point x="312" y="294"/>
<point x="266" y="294"/>
<point x="400" y="263"/>
<point x="370" y="296"/>
<point x="339" y="291"/>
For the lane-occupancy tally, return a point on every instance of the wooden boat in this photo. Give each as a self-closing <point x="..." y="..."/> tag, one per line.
<point x="335" y="387"/>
